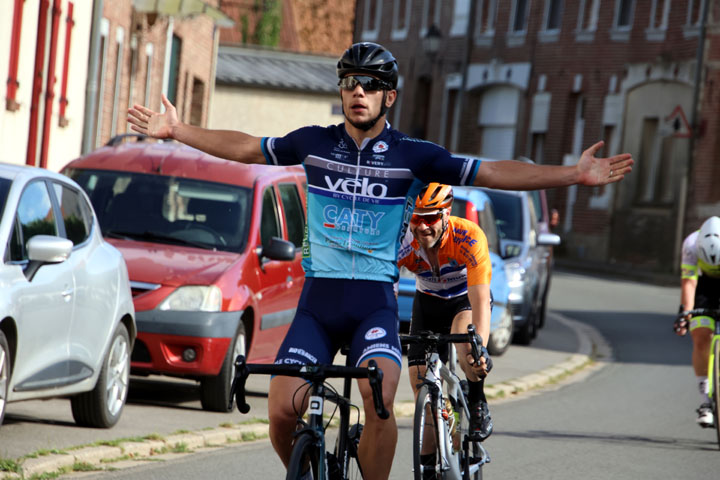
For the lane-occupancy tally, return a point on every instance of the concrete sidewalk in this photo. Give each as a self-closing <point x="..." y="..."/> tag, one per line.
<point x="563" y="347"/>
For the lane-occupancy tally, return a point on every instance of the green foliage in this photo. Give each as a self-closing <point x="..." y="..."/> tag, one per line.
<point x="267" y="29"/>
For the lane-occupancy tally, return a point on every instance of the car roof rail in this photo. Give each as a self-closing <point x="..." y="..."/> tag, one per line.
<point x="118" y="139"/>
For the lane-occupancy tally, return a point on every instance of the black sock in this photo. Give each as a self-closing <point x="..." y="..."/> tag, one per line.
<point x="475" y="391"/>
<point x="427" y="459"/>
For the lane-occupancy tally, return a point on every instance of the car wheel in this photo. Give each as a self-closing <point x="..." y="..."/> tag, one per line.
<point x="524" y="335"/>
<point x="543" y="307"/>
<point x="501" y="337"/>
<point x="4" y="374"/>
<point x="215" y="391"/>
<point x="102" y="406"/>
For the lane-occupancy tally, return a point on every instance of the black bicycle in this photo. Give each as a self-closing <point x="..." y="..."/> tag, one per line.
<point x="309" y="450"/>
<point x="714" y="362"/>
<point x="442" y="407"/>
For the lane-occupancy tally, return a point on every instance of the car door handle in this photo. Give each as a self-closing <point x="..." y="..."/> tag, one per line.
<point x="67" y="293"/>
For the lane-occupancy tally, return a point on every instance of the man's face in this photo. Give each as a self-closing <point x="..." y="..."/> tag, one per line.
<point x="363" y="107"/>
<point x="427" y="226"/>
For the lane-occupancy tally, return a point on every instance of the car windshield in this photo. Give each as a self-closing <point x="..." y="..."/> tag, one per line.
<point x="172" y="210"/>
<point x="4" y="189"/>
<point x="508" y="215"/>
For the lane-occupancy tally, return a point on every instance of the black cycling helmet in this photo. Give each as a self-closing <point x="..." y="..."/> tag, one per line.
<point x="367" y="58"/>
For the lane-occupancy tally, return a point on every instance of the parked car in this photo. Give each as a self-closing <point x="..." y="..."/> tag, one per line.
<point x="67" y="323"/>
<point x="475" y="205"/>
<point x="213" y="250"/>
<point x="547" y="220"/>
<point x="527" y="263"/>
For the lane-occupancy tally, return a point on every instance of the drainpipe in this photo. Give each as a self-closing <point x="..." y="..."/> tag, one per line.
<point x="92" y="85"/>
<point x="37" y="82"/>
<point x="12" y="81"/>
<point x="686" y="180"/>
<point x="50" y="84"/>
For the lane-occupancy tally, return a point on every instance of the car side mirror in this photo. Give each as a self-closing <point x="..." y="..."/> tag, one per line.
<point x="277" y="249"/>
<point x="45" y="249"/>
<point x="549" y="239"/>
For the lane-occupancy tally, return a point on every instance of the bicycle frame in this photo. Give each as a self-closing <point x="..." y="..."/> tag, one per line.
<point x="438" y="376"/>
<point x="319" y="394"/>
<point x="711" y="362"/>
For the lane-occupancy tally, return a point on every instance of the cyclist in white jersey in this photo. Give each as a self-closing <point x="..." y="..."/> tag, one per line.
<point x="362" y="180"/>
<point x="700" y="288"/>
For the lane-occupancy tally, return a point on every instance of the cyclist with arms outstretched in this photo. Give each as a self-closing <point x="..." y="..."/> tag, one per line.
<point x="362" y="175"/>
<point x="700" y="288"/>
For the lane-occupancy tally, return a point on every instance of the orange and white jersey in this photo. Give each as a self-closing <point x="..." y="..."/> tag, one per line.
<point x="463" y="260"/>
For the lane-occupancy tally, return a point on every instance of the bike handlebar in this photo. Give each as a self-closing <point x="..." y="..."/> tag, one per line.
<point x="431" y="340"/>
<point x="313" y="373"/>
<point x="709" y="312"/>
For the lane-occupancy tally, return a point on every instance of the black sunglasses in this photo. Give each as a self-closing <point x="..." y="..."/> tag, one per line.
<point x="369" y="84"/>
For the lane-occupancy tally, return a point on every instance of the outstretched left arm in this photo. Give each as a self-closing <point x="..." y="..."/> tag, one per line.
<point x="590" y="170"/>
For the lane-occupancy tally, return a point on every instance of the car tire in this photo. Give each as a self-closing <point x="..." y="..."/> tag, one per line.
<point x="5" y="369"/>
<point x="215" y="391"/>
<point x="501" y="337"/>
<point x="102" y="406"/>
<point x="524" y="335"/>
<point x="543" y="306"/>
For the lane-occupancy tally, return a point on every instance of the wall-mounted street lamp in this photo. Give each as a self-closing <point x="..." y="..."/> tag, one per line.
<point x="431" y="41"/>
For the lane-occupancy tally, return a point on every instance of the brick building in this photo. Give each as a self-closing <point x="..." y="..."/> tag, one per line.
<point x="73" y="67"/>
<point x="309" y="26"/>
<point x="545" y="79"/>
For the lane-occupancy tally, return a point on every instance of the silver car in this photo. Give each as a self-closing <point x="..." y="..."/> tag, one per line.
<point x="528" y="265"/>
<point x="67" y="322"/>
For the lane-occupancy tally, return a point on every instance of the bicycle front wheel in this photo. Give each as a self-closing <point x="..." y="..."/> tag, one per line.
<point x="305" y="455"/>
<point x="715" y="372"/>
<point x="425" y="434"/>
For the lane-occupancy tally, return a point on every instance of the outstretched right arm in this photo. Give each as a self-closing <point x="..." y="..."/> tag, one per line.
<point x="229" y="144"/>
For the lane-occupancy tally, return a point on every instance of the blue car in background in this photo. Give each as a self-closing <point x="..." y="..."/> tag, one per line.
<point x="475" y="205"/>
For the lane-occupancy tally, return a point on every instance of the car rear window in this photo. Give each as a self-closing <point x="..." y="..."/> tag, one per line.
<point x="164" y="209"/>
<point x="508" y="215"/>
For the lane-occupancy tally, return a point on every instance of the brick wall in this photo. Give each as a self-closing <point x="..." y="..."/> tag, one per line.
<point x="621" y="229"/>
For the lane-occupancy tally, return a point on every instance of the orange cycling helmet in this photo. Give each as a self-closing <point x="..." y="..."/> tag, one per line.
<point x="435" y="195"/>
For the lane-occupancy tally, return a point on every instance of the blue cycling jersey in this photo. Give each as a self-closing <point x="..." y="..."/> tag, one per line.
<point x="360" y="197"/>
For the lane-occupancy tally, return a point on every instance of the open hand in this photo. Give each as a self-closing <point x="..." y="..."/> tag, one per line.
<point x="151" y="123"/>
<point x="596" y="171"/>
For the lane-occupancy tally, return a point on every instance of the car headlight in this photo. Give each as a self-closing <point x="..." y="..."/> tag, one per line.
<point x="515" y="274"/>
<point x="204" y="298"/>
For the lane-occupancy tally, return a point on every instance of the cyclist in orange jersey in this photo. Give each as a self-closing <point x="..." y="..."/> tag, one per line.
<point x="449" y="257"/>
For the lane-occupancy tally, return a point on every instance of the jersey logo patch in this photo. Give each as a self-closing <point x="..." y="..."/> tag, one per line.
<point x="380" y="147"/>
<point x="375" y="333"/>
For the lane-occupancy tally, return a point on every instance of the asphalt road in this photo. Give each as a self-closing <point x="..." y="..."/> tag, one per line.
<point x="631" y="419"/>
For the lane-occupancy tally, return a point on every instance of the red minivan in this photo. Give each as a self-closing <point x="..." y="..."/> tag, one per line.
<point x="213" y="249"/>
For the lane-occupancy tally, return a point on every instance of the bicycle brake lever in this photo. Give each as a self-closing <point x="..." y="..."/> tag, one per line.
<point x="375" y="376"/>
<point x="237" y="389"/>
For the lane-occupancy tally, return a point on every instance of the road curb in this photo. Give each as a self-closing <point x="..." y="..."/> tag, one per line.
<point x="593" y="350"/>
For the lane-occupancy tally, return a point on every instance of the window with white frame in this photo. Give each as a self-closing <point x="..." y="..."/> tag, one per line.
<point x="460" y="18"/>
<point x="552" y="21"/>
<point x="553" y="15"/>
<point x="401" y="19"/>
<point x="371" y="19"/>
<point x="148" y="73"/>
<point x="622" y="21"/>
<point x="624" y="14"/>
<point x="587" y="20"/>
<point x="485" y="17"/>
<point x="655" y="165"/>
<point x="693" y="17"/>
<point x="100" y="75"/>
<point x="657" y="27"/>
<point x="119" y="43"/>
<point x="430" y="15"/>
<point x="519" y="16"/>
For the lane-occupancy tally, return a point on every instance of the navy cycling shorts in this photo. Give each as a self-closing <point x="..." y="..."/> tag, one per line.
<point x="333" y="312"/>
